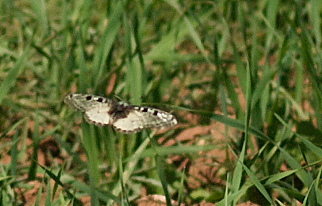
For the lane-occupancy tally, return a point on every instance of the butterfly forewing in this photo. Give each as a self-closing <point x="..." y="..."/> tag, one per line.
<point x="139" y="118"/>
<point x="85" y="102"/>
<point x="124" y="117"/>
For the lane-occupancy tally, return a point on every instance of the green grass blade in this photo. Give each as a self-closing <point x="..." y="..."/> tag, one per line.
<point x="107" y="40"/>
<point x="11" y="78"/>
<point x="40" y="10"/>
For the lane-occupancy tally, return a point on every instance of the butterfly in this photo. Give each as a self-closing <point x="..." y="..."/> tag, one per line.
<point x="122" y="116"/>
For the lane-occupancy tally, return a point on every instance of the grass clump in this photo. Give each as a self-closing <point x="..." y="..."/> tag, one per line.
<point x="242" y="78"/>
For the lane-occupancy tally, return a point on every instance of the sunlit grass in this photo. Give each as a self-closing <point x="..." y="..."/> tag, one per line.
<point x="243" y="79"/>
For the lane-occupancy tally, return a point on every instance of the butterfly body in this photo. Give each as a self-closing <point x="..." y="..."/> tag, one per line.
<point x="122" y="116"/>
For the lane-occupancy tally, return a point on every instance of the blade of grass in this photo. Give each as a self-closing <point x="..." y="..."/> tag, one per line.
<point x="39" y="195"/>
<point x="84" y="83"/>
<point x="236" y="123"/>
<point x="181" y="149"/>
<point x="304" y="176"/>
<point x="164" y="50"/>
<point x="36" y="140"/>
<point x="40" y="9"/>
<point x="130" y="166"/>
<point x="89" y="138"/>
<point x="108" y="39"/>
<point x="14" y="154"/>
<point x="11" y="78"/>
<point x="48" y="200"/>
<point x="102" y="195"/>
<point x="316" y="20"/>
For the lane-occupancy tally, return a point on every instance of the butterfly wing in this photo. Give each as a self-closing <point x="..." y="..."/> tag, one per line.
<point x="99" y="115"/>
<point x="96" y="108"/>
<point x="139" y="118"/>
<point x="84" y="102"/>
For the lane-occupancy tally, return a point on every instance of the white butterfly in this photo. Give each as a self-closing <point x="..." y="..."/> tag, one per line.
<point x="122" y="116"/>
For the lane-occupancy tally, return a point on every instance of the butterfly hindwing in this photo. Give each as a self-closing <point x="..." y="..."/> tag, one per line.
<point x="98" y="116"/>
